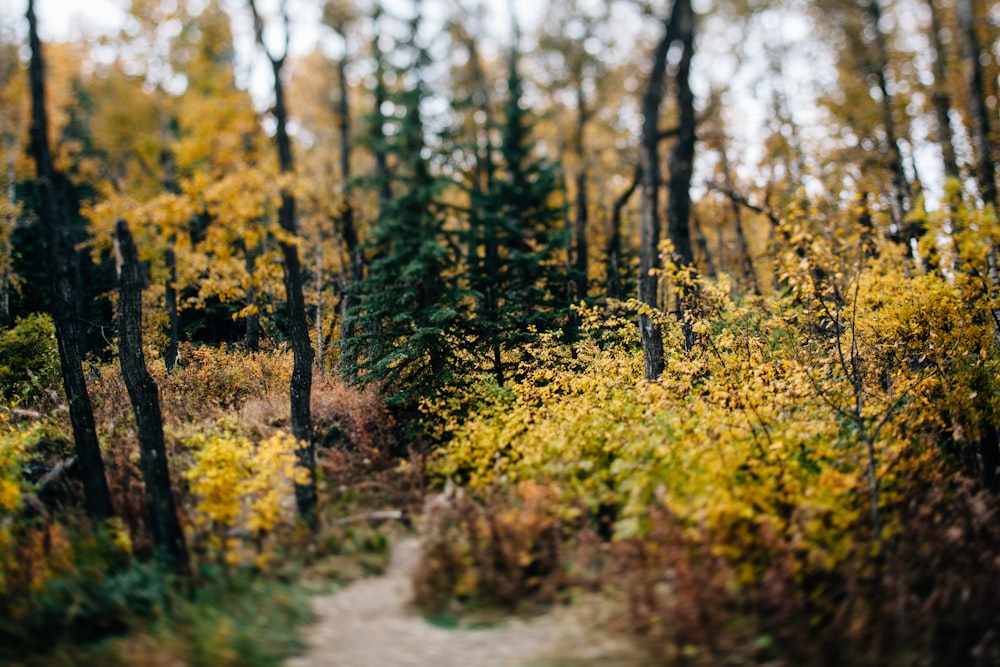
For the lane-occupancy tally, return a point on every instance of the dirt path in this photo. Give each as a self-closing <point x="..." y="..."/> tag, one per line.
<point x="369" y="624"/>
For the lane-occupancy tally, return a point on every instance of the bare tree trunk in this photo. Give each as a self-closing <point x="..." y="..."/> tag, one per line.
<point x="581" y="264"/>
<point x="349" y="232"/>
<point x="382" y="174"/>
<point x="614" y="247"/>
<point x="981" y="130"/>
<point x="319" y="298"/>
<point x="301" y="385"/>
<point x="252" y="337"/>
<point x="941" y="98"/>
<point x="170" y="296"/>
<point x="900" y="189"/>
<point x="682" y="157"/>
<point x="169" y="176"/>
<point x="682" y="163"/>
<point x="702" y="243"/>
<point x="649" y="160"/>
<point x="746" y="260"/>
<point x="53" y="211"/>
<point x="8" y="221"/>
<point x="168" y="538"/>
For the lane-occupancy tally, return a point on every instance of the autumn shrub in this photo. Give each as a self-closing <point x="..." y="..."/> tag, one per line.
<point x="207" y="382"/>
<point x="680" y="597"/>
<point x="63" y="580"/>
<point x="243" y="492"/>
<point x="348" y="417"/>
<point x="778" y="461"/>
<point x="505" y="552"/>
<point x="29" y="361"/>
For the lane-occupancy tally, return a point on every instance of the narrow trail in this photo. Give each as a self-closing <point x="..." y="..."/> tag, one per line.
<point x="371" y="624"/>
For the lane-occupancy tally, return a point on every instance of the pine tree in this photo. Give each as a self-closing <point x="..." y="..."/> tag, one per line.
<point x="407" y="323"/>
<point x="515" y="227"/>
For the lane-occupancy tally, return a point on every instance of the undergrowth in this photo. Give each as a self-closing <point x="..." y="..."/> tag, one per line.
<point x="799" y="486"/>
<point x="72" y="593"/>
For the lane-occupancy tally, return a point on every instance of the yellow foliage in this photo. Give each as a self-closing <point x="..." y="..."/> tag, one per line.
<point x="772" y="425"/>
<point x="243" y="489"/>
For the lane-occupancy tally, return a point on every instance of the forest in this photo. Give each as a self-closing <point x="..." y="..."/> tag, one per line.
<point x="688" y="310"/>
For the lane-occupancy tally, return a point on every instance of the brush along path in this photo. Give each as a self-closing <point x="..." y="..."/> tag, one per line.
<point x="371" y="624"/>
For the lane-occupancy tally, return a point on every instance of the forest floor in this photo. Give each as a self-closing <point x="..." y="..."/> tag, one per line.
<point x="372" y="623"/>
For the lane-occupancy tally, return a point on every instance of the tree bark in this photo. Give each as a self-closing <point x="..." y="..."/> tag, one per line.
<point x="581" y="264"/>
<point x="252" y="337"/>
<point x="749" y="272"/>
<point x="6" y="233"/>
<point x="649" y="160"/>
<point x="53" y="212"/>
<point x="941" y="98"/>
<point x="682" y="157"/>
<point x="682" y="163"/>
<point x="168" y="167"/>
<point x="898" y="205"/>
<point x="168" y="538"/>
<point x="986" y="169"/>
<point x="614" y="247"/>
<point x="301" y="384"/>
<point x="170" y="296"/>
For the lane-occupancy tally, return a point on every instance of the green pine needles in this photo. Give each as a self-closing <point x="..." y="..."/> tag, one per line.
<point x="453" y="287"/>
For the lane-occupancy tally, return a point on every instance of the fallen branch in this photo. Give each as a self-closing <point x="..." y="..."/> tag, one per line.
<point x="372" y="517"/>
<point x="53" y="476"/>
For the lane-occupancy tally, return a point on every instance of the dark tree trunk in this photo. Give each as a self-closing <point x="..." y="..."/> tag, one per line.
<point x="941" y="98"/>
<point x="682" y="162"/>
<point x="168" y="167"/>
<point x="614" y="248"/>
<point x="699" y="238"/>
<point x="349" y="232"/>
<point x="54" y="205"/>
<point x="900" y="189"/>
<point x="10" y="149"/>
<point x="170" y="296"/>
<point x="382" y="175"/>
<point x="581" y="264"/>
<point x="168" y="538"/>
<point x="986" y="170"/>
<point x="749" y="272"/>
<point x="989" y="452"/>
<point x="488" y="304"/>
<point x="301" y="385"/>
<point x="252" y="338"/>
<point x="649" y="161"/>
<point x="682" y="157"/>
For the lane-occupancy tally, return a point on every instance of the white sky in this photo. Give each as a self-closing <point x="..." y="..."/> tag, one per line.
<point x="61" y="20"/>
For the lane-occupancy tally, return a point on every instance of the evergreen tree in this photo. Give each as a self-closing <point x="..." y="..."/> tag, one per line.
<point x="515" y="224"/>
<point x="407" y="323"/>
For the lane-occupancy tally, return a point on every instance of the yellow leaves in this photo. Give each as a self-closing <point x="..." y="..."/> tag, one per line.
<point x="243" y="489"/>
<point x="246" y="311"/>
<point x="10" y="495"/>
<point x="14" y="445"/>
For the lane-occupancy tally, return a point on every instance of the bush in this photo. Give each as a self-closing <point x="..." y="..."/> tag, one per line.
<point x="504" y="553"/>
<point x="29" y="360"/>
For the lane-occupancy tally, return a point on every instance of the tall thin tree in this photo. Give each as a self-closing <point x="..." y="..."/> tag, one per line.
<point x="980" y="115"/>
<point x="649" y="161"/>
<point x="55" y="203"/>
<point x="301" y="384"/>
<point x="168" y="538"/>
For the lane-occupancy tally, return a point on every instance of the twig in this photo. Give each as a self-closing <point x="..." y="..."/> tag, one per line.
<point x="371" y="517"/>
